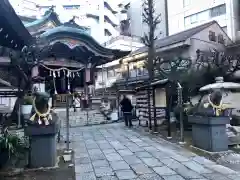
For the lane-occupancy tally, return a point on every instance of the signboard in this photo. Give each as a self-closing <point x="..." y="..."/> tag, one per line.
<point x="60" y="100"/>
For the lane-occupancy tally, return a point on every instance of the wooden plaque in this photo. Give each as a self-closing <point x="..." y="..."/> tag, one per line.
<point x="60" y="100"/>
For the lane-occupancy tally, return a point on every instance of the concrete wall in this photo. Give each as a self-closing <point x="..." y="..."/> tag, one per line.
<point x="138" y="28"/>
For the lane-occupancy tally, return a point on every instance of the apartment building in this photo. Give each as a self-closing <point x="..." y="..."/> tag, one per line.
<point x="131" y="30"/>
<point x="27" y="8"/>
<point x="185" y="14"/>
<point x="99" y="16"/>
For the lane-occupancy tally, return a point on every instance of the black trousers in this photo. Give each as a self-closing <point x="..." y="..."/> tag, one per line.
<point x="128" y="118"/>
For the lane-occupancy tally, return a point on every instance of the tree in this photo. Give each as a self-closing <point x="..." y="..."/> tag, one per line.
<point x="21" y="66"/>
<point x="151" y="20"/>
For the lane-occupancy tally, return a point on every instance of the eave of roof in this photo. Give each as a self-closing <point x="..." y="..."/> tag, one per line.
<point x="14" y="34"/>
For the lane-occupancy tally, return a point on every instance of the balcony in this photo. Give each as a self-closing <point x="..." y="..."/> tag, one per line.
<point x="134" y="76"/>
<point x="108" y="14"/>
<point x="123" y="37"/>
<point x="111" y="29"/>
<point x="108" y="4"/>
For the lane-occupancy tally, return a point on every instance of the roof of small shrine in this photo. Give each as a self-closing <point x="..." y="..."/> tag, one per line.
<point x="66" y="40"/>
<point x="13" y="34"/>
<point x="70" y="40"/>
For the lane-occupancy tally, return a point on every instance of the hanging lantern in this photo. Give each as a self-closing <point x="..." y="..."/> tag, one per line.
<point x="59" y="72"/>
<point x="50" y="73"/>
<point x="54" y="74"/>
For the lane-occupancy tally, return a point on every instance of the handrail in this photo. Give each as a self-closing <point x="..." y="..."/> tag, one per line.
<point x="122" y="37"/>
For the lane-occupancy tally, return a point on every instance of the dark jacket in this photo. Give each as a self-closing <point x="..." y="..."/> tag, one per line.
<point x="126" y="105"/>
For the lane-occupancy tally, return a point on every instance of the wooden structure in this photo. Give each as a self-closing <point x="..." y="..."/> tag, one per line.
<point x="60" y="56"/>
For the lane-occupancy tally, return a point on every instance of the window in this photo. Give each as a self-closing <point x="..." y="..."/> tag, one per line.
<point x="193" y="18"/>
<point x="187" y="21"/>
<point x="220" y="39"/>
<point x="110" y="73"/>
<point x="71" y="7"/>
<point x="212" y="36"/>
<point x="186" y="3"/>
<point x="203" y="16"/>
<point x="196" y="18"/>
<point x="218" y="11"/>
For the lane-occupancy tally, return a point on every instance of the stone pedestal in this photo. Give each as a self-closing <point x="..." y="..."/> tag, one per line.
<point x="43" y="151"/>
<point x="209" y="133"/>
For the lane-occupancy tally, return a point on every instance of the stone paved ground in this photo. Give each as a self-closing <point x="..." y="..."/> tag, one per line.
<point x="113" y="152"/>
<point x="79" y="118"/>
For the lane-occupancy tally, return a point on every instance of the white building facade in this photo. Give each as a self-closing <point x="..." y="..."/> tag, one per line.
<point x="99" y="16"/>
<point x="185" y="14"/>
<point x="28" y="8"/>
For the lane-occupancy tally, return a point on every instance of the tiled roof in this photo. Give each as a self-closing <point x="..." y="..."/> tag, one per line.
<point x="176" y="38"/>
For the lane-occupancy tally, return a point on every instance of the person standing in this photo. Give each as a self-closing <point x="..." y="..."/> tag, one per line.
<point x="126" y="107"/>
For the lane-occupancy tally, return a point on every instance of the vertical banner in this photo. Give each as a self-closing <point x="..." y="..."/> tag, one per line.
<point x="88" y="73"/>
<point x="35" y="71"/>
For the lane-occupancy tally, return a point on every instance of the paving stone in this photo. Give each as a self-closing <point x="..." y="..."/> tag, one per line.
<point x="196" y="167"/>
<point x="215" y="176"/>
<point x="180" y="158"/>
<point x="86" y="176"/>
<point x="221" y="169"/>
<point x="143" y="154"/>
<point x="173" y="164"/>
<point x="134" y="148"/>
<point x="117" y="145"/>
<point x="125" y="174"/>
<point x="152" y="176"/>
<point x="80" y="155"/>
<point x="109" y="151"/>
<point x="160" y="155"/>
<point x="83" y="168"/>
<point x="100" y="163"/>
<point x="103" y="171"/>
<point x="142" y="144"/>
<point x="164" y="171"/>
<point x="119" y="165"/>
<point x="202" y="160"/>
<point x="94" y="151"/>
<point x="96" y="145"/>
<point x="150" y="149"/>
<point x="181" y="169"/>
<point x="135" y="140"/>
<point x="108" y="178"/>
<point x="132" y="159"/>
<point x="141" y="169"/>
<point x="187" y="173"/>
<point x="173" y="177"/>
<point x="105" y="146"/>
<point x="152" y="162"/>
<point x="113" y="157"/>
<point x="84" y="160"/>
<point x="125" y="152"/>
<point x="97" y="157"/>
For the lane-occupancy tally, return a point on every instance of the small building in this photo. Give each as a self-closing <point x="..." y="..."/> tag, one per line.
<point x="184" y="44"/>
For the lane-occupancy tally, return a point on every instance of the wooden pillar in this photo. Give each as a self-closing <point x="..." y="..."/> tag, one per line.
<point x="168" y="106"/>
